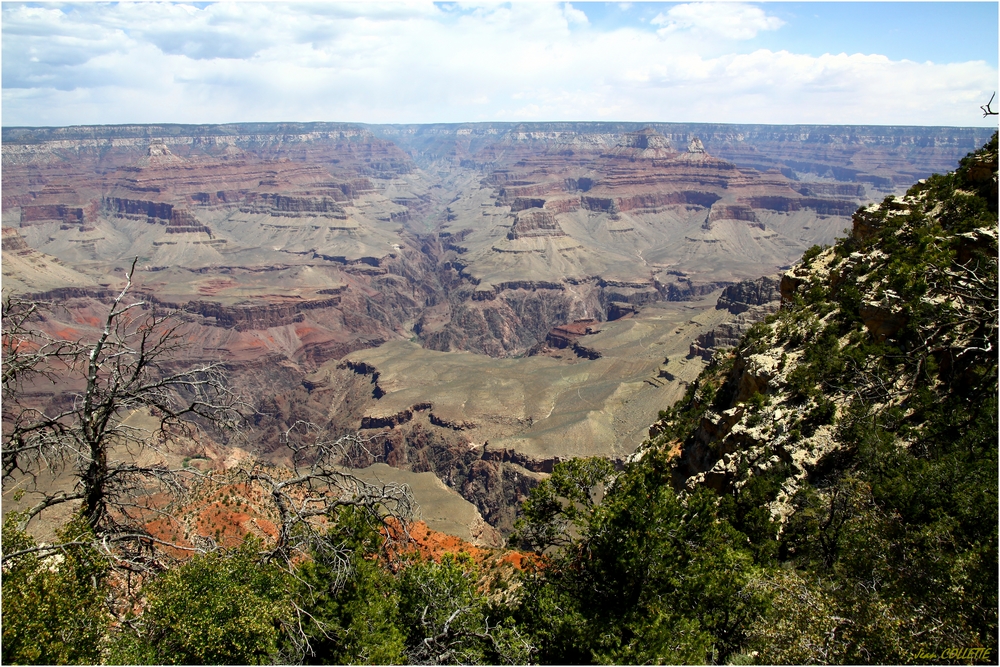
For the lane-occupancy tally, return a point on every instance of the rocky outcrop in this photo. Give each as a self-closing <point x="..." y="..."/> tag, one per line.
<point x="645" y="144"/>
<point x="683" y="289"/>
<point x="503" y="322"/>
<point x="870" y="219"/>
<point x="751" y="301"/>
<point x="602" y="204"/>
<point x="14" y="242"/>
<point x="788" y="204"/>
<point x="177" y="220"/>
<point x="139" y="209"/>
<point x="495" y="481"/>
<point x="790" y="283"/>
<point x="374" y="421"/>
<point x="453" y="424"/>
<point x="617" y="310"/>
<point x="695" y="146"/>
<point x="739" y="212"/>
<point x="509" y="194"/>
<point x="785" y="400"/>
<point x="361" y="368"/>
<point x="740" y="297"/>
<point x="182" y="222"/>
<point x="634" y="294"/>
<point x="513" y="317"/>
<point x="69" y="215"/>
<point x="648" y="201"/>
<point x="249" y="317"/>
<point x="729" y="334"/>
<point x="565" y="205"/>
<point x="294" y="206"/>
<point x="386" y="421"/>
<point x="882" y="319"/>
<point x="523" y="203"/>
<point x="566" y="335"/>
<point x="831" y="190"/>
<point x="533" y="223"/>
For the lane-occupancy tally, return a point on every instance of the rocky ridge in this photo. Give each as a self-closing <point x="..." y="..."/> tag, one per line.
<point x="896" y="319"/>
<point x="348" y="195"/>
<point x="872" y="156"/>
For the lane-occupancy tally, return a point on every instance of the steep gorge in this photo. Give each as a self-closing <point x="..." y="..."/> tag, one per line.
<point x="290" y="249"/>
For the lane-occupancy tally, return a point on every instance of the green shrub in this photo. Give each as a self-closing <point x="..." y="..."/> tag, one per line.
<point x="53" y="606"/>
<point x="224" y="608"/>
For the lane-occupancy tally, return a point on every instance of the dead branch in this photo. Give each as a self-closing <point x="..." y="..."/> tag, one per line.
<point x="987" y="111"/>
<point x="307" y="498"/>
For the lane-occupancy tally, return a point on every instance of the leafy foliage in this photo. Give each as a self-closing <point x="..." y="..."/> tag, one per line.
<point x="53" y="607"/>
<point x="352" y="619"/>
<point x="654" y="577"/>
<point x="221" y="608"/>
<point x="560" y="506"/>
<point x="448" y="619"/>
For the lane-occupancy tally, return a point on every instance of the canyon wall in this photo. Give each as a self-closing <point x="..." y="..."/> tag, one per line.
<point x="288" y="248"/>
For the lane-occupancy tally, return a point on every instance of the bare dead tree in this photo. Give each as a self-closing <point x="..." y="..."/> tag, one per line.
<point x="305" y="501"/>
<point x="129" y="368"/>
<point x="450" y="619"/>
<point x="66" y="416"/>
<point x="307" y="496"/>
<point x="30" y="356"/>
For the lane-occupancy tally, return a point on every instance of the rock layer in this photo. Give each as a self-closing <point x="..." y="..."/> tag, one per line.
<point x="288" y="247"/>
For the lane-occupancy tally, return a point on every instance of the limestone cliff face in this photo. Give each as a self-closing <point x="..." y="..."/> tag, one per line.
<point x="509" y="322"/>
<point x="880" y="157"/>
<point x="895" y="319"/>
<point x="512" y="317"/>
<point x="533" y="223"/>
<point x="13" y="242"/>
<point x="751" y="301"/>
<point x="742" y="296"/>
<point x="125" y="144"/>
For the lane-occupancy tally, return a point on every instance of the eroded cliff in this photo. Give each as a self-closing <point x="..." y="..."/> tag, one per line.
<point x="888" y="334"/>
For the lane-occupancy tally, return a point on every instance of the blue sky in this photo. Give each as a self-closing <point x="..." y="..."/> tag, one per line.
<point x="943" y="32"/>
<point x="889" y="63"/>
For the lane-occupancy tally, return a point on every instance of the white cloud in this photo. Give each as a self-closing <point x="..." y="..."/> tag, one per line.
<point x="574" y="15"/>
<point x="730" y="20"/>
<point x="146" y="62"/>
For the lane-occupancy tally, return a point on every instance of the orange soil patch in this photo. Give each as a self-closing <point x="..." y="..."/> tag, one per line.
<point x="218" y="515"/>
<point x="21" y="345"/>
<point x="304" y="331"/>
<point x="66" y="333"/>
<point x="675" y="450"/>
<point x="431" y="544"/>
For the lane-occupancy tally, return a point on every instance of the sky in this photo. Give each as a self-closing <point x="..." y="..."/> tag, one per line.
<point x="882" y="63"/>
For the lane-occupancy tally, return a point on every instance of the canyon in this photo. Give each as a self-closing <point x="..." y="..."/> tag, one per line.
<point x="484" y="300"/>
